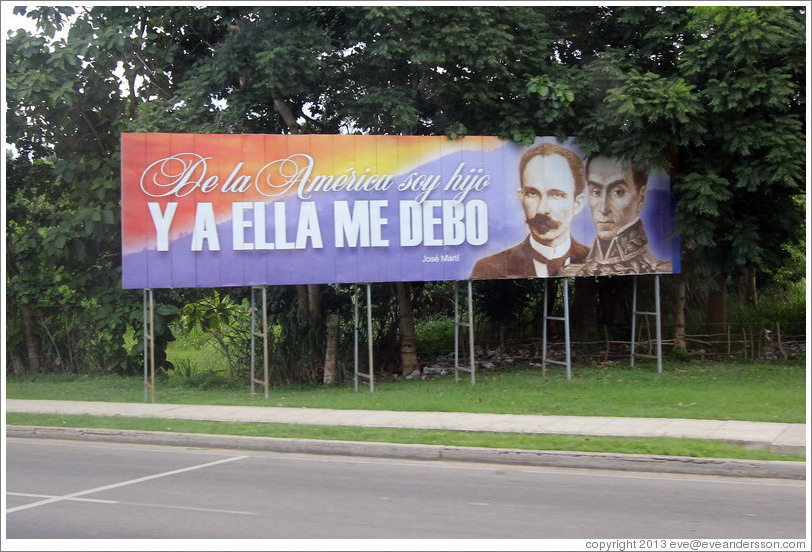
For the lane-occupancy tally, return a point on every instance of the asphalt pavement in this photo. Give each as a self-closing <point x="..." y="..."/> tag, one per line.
<point x="778" y="437"/>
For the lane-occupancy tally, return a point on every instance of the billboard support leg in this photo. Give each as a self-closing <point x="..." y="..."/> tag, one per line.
<point x="470" y="325"/>
<point x="369" y="338"/>
<point x="265" y="382"/>
<point x="253" y="339"/>
<point x="456" y="334"/>
<point x="149" y="343"/>
<point x="355" y="337"/>
<point x="265" y="338"/>
<point x="545" y="360"/>
<point x="634" y="319"/>
<point x="544" y="332"/>
<point x="370" y="375"/>
<point x="567" y="326"/>
<point x="659" y="323"/>
<point x="657" y="314"/>
<point x="471" y="333"/>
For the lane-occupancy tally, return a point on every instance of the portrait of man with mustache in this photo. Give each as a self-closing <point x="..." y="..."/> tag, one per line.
<point x="551" y="193"/>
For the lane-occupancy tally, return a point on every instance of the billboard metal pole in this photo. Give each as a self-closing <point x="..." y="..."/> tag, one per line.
<point x="265" y="337"/>
<point x="149" y="335"/>
<point x="567" y="325"/>
<point x="253" y="339"/>
<point x="634" y="317"/>
<point x="370" y="375"/>
<point x="254" y="334"/>
<point x="659" y="314"/>
<point x="355" y="337"/>
<point x="456" y="334"/>
<point x="544" y="332"/>
<point x="369" y="337"/>
<point x="457" y="325"/>
<point x="545" y="360"/>
<point x="145" y="330"/>
<point x="471" y="333"/>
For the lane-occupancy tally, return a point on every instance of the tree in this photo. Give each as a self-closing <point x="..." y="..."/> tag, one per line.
<point x="64" y="258"/>
<point x="717" y="95"/>
<point x="714" y="93"/>
<point x="750" y="164"/>
<point x="68" y="102"/>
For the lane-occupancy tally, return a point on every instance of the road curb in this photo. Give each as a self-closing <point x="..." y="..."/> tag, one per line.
<point x="555" y="459"/>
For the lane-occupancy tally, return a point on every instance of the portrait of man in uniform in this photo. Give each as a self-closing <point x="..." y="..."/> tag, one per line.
<point x="616" y="195"/>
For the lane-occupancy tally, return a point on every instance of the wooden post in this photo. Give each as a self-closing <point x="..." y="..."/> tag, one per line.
<point x="778" y="337"/>
<point x="330" y="353"/>
<point x="756" y="344"/>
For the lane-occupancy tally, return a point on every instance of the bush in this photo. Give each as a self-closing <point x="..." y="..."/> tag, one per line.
<point x="184" y="369"/>
<point x="211" y="380"/>
<point x="435" y="336"/>
<point x="783" y="304"/>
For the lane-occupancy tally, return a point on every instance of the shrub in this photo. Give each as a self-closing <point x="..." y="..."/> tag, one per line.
<point x="783" y="304"/>
<point x="211" y="380"/>
<point x="435" y="336"/>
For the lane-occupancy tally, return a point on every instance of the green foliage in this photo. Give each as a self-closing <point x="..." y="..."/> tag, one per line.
<point x="438" y="69"/>
<point x="755" y="391"/>
<point x="750" y="163"/>
<point x="185" y="369"/>
<point x="716" y="93"/>
<point x="622" y="445"/>
<point x="211" y="381"/>
<point x="679" y="355"/>
<point x="777" y="304"/>
<point x="296" y="347"/>
<point x="555" y="96"/>
<point x="435" y="336"/>
<point x="225" y="322"/>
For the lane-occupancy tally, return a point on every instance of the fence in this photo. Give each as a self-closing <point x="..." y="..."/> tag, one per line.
<point x="730" y="342"/>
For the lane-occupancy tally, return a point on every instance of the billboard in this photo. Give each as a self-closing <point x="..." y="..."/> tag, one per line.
<point x="208" y="210"/>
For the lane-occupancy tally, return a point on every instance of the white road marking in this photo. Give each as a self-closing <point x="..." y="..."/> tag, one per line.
<point x="116" y="485"/>
<point x="146" y="504"/>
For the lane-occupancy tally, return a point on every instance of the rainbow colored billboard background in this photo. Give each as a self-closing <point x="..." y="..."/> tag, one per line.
<point x="237" y="210"/>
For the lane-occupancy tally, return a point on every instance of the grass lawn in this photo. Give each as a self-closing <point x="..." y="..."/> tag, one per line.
<point x="766" y="392"/>
<point x="771" y="392"/>
<point x="696" y="448"/>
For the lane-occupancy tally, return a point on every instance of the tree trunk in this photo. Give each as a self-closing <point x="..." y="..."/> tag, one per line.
<point x="585" y="317"/>
<point x="408" y="336"/>
<point x="32" y="343"/>
<point x="287" y="115"/>
<point x="330" y="354"/>
<point x="314" y="301"/>
<point x="717" y="316"/>
<point x="679" y="313"/>
<point x="304" y="300"/>
<point x="747" y="287"/>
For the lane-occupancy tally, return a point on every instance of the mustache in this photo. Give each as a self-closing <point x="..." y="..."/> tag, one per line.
<point x="542" y="223"/>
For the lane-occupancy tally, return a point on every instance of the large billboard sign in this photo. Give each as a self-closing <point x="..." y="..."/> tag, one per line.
<point x="204" y="210"/>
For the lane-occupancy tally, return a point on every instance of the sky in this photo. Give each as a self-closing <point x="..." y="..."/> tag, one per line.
<point x="11" y="21"/>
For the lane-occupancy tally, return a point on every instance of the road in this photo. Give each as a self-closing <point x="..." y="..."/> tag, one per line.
<point x="81" y="490"/>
